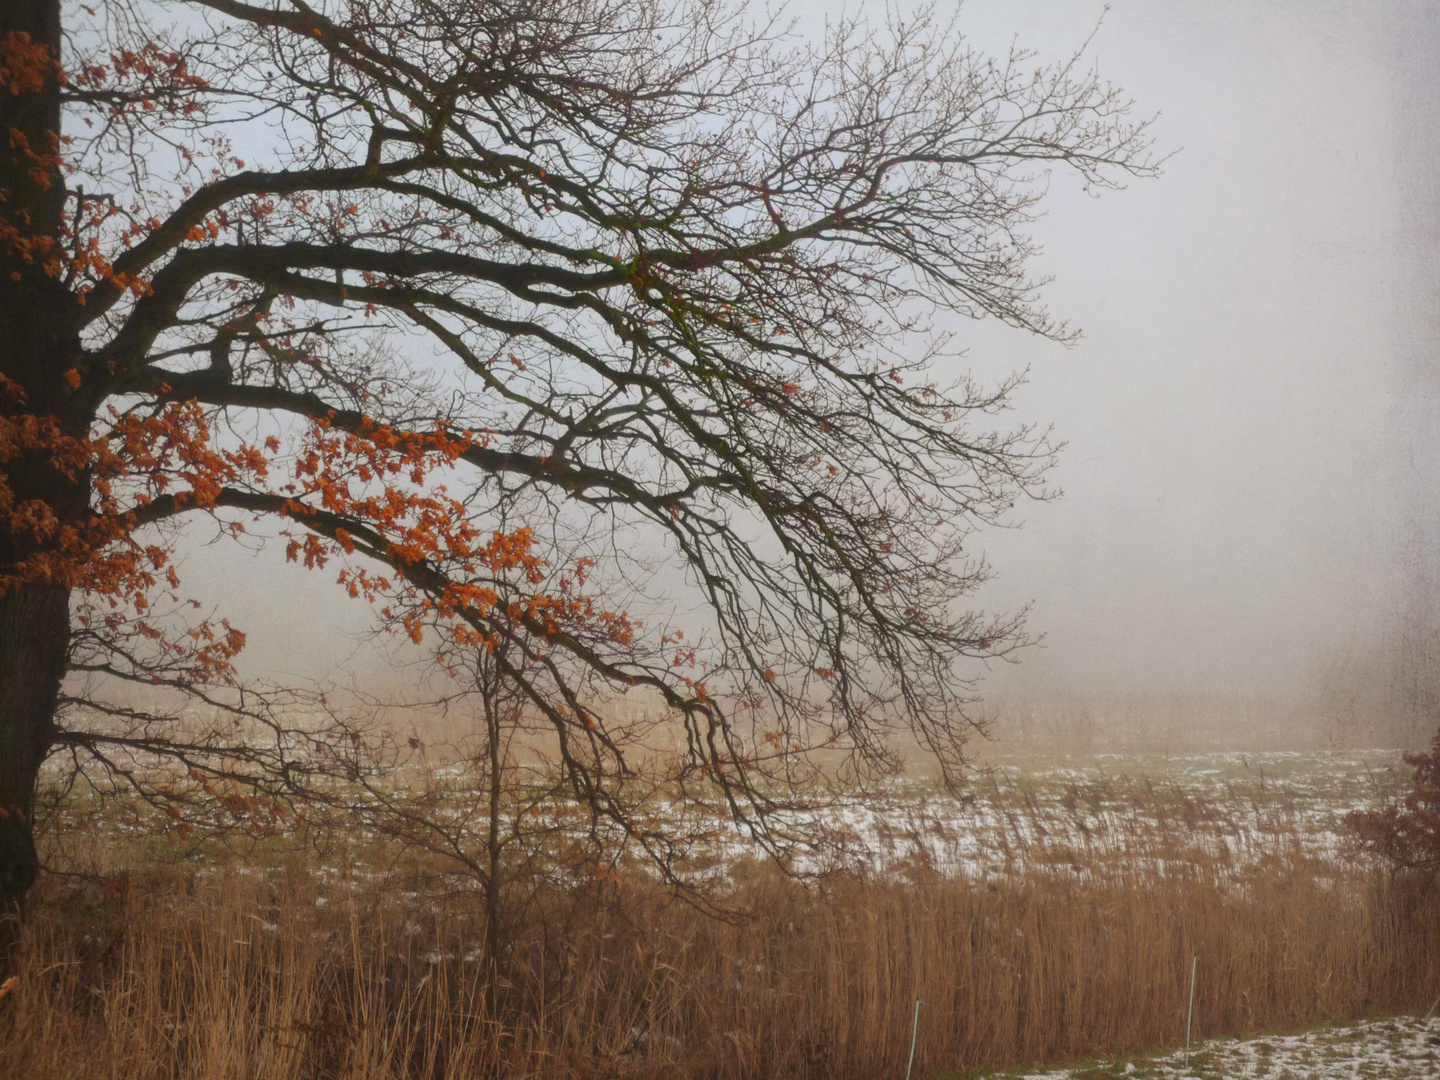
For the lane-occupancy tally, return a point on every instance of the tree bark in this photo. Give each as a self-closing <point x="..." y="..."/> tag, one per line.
<point x="34" y="634"/>
<point x="39" y="357"/>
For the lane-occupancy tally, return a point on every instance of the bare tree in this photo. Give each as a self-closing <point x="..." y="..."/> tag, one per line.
<point x="644" y="277"/>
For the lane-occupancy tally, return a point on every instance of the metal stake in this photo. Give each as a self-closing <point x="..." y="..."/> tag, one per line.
<point x="914" y="1033"/>
<point x="1190" y="1016"/>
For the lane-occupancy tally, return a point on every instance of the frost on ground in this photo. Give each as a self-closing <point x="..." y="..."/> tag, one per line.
<point x="1402" y="1048"/>
<point x="1082" y="816"/>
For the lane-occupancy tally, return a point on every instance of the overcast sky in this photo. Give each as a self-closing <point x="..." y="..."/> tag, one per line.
<point x="1251" y="469"/>
<point x="1250" y="478"/>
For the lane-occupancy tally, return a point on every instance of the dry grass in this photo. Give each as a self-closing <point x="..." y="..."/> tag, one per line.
<point x="268" y="967"/>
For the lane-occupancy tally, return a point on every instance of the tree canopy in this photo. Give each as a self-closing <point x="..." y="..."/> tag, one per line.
<point x="497" y="307"/>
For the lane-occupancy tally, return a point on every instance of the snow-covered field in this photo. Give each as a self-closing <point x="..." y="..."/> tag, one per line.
<point x="1403" y="1048"/>
<point x="1083" y="814"/>
<point x="1075" y="817"/>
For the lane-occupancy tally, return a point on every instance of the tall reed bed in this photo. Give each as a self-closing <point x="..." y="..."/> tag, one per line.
<point x="242" y="970"/>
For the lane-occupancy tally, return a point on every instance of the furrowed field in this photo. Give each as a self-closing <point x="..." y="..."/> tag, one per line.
<point x="1049" y="913"/>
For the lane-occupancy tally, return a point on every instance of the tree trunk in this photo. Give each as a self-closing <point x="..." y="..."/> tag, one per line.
<point x="34" y="634"/>
<point x="40" y="357"/>
<point x="494" y="843"/>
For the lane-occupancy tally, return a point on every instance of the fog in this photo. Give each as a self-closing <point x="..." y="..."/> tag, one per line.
<point x="1252" y="415"/>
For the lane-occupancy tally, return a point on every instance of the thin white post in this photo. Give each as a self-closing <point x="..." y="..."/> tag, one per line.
<point x="914" y="1033"/>
<point x="1190" y="1016"/>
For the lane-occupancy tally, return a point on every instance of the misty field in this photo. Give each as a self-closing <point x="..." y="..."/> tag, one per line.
<point x="1049" y="913"/>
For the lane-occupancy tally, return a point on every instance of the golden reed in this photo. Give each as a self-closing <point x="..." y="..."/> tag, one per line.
<point x="241" y="974"/>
